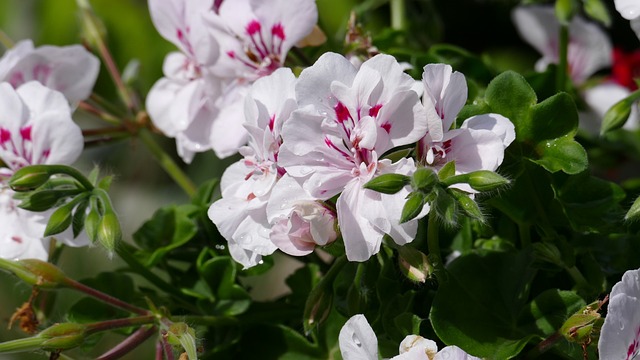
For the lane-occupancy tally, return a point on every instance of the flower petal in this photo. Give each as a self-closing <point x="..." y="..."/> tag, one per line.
<point x="357" y="340"/>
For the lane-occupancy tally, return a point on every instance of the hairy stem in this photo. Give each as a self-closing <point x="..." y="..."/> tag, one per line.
<point x="128" y="344"/>
<point x="106" y="298"/>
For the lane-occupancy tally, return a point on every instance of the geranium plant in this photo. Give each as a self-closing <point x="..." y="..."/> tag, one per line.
<point x="421" y="196"/>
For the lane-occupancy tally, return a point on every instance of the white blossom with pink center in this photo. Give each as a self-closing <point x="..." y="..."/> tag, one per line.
<point x="255" y="37"/>
<point x="620" y="334"/>
<point x="182" y="104"/>
<point x="72" y="70"/>
<point x="348" y="118"/>
<point x="358" y="341"/>
<point x="35" y="128"/>
<point x="478" y="144"/>
<point x="241" y="213"/>
<point x="589" y="47"/>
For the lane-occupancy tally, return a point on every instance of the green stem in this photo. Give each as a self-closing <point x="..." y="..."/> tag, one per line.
<point x="578" y="278"/>
<point x="20" y="345"/>
<point x="525" y="234"/>
<point x="167" y="163"/>
<point x="67" y="170"/>
<point x="5" y="40"/>
<point x="398" y="11"/>
<point x="433" y="244"/>
<point x="99" y="113"/>
<point x="206" y="320"/>
<point x="563" y="66"/>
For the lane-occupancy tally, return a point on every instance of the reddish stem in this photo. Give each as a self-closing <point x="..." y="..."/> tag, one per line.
<point x="130" y="343"/>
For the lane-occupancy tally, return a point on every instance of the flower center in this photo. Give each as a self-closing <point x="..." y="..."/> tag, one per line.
<point x="262" y="50"/>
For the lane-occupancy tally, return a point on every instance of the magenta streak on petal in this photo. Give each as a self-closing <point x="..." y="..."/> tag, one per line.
<point x="277" y="31"/>
<point x="633" y="349"/>
<point x="17" y="239"/>
<point x="41" y="73"/>
<point x="375" y="110"/>
<point x="271" y="121"/>
<point x="5" y="135"/>
<point x="387" y="127"/>
<point x="331" y="145"/>
<point x="16" y="79"/>
<point x="45" y="154"/>
<point x="183" y="40"/>
<point x="25" y="132"/>
<point x="253" y="27"/>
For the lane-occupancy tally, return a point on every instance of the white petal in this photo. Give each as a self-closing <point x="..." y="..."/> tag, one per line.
<point x="445" y="91"/>
<point x="297" y="18"/>
<point x="629" y="9"/>
<point x="414" y="341"/>
<point x="620" y="333"/>
<point x="495" y="123"/>
<point x="21" y="231"/>
<point x="357" y="340"/>
<point x="12" y="56"/>
<point x="455" y="353"/>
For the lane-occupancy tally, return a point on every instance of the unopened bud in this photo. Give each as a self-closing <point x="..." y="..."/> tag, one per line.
<point x="59" y="220"/>
<point x="413" y="206"/>
<point x="109" y="233"/>
<point x="581" y="325"/>
<point x="414" y="264"/>
<point x="317" y="307"/>
<point x="44" y="200"/>
<point x="485" y="180"/>
<point x="566" y="10"/>
<point x="388" y="183"/>
<point x="467" y="204"/>
<point x="180" y="334"/>
<point x="547" y="252"/>
<point x="63" y="336"/>
<point x="29" y="177"/>
<point x="446" y="208"/>
<point x="92" y="221"/>
<point x="47" y="275"/>
<point x="424" y="179"/>
<point x="93" y="29"/>
<point x="634" y="212"/>
<point x="616" y="116"/>
<point x="597" y="11"/>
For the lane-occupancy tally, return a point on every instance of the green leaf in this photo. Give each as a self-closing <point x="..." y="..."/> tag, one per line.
<point x="203" y="195"/>
<point x="447" y="171"/>
<point x="169" y="228"/>
<point x="59" y="221"/>
<point x="553" y="118"/>
<point x="548" y="311"/>
<point x="510" y="95"/>
<point x="562" y="154"/>
<point x="589" y="202"/>
<point x="483" y="298"/>
<point x="220" y="275"/>
<point x="597" y="10"/>
<point x="77" y="223"/>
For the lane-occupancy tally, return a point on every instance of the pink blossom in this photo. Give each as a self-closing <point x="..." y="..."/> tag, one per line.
<point x="347" y="118"/>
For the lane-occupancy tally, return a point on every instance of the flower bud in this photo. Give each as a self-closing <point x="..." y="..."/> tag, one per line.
<point x="414" y="264"/>
<point x="566" y="10"/>
<point x="109" y="233"/>
<point x="424" y="179"/>
<point x="63" y="336"/>
<point x="44" y="199"/>
<point x="180" y="334"/>
<point x="634" y="211"/>
<point x="317" y="307"/>
<point x="92" y="221"/>
<point x="467" y="204"/>
<point x="581" y="325"/>
<point x="93" y="29"/>
<point x="547" y="252"/>
<point x="29" y="177"/>
<point x="59" y="220"/>
<point x="413" y="206"/>
<point x="388" y="183"/>
<point x="598" y="11"/>
<point x="47" y="274"/>
<point x="485" y="180"/>
<point x="616" y="116"/>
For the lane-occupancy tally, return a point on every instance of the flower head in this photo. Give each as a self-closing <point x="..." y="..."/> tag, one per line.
<point x="620" y="334"/>
<point x="35" y="128"/>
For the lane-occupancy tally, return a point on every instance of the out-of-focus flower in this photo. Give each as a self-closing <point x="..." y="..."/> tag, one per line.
<point x="182" y="104"/>
<point x="71" y="70"/>
<point x="630" y="10"/>
<point x="620" y="334"/>
<point x="358" y="342"/>
<point x="241" y="214"/>
<point x="478" y="144"/>
<point x="35" y="128"/>
<point x="347" y="118"/>
<point x="589" y="47"/>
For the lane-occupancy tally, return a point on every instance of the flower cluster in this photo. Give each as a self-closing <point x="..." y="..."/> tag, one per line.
<point x="224" y="48"/>
<point x="36" y="88"/>
<point x="315" y="141"/>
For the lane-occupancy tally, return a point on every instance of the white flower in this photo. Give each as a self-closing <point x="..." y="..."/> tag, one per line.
<point x="181" y="104"/>
<point x="589" y="47"/>
<point x="72" y="70"/>
<point x="35" y="128"/>
<point x="600" y="99"/>
<point x="241" y="214"/>
<point x="620" y="334"/>
<point x="358" y="342"/>
<point x="348" y="117"/>
<point x="478" y="144"/>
